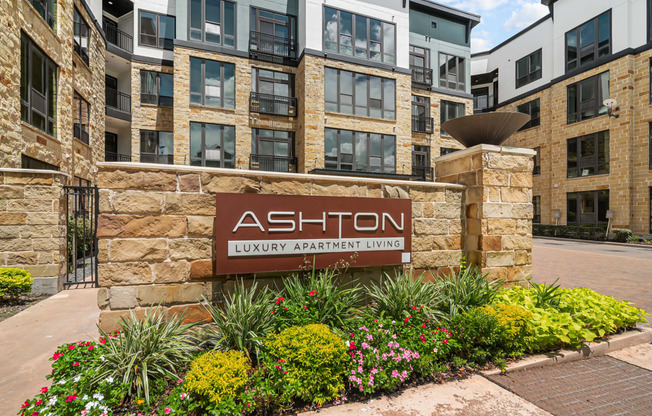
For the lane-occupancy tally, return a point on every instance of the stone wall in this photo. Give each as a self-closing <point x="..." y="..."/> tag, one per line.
<point x="32" y="227"/>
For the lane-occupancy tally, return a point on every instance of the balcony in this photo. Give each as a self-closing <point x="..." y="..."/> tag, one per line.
<point x="116" y="157"/>
<point x="117" y="37"/>
<point x="421" y="77"/>
<point x="273" y="46"/>
<point x="272" y="104"/>
<point x="118" y="100"/>
<point x="422" y="124"/>
<point x="482" y="103"/>
<point x="425" y="173"/>
<point x="271" y="163"/>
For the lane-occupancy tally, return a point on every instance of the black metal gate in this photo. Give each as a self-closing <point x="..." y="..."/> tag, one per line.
<point x="81" y="232"/>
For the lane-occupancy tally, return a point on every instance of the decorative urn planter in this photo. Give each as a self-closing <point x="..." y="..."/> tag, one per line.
<point x="486" y="128"/>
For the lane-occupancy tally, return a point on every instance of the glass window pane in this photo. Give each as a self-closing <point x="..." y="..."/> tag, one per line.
<point x="195" y="75"/>
<point x="167" y="88"/>
<point x="330" y="29"/>
<point x="229" y="18"/>
<point x="195" y="14"/>
<point x="213" y="11"/>
<point x="148" y="28"/>
<point x="331" y="85"/>
<point x="375" y="30"/>
<point x="389" y="150"/>
<point x="361" y="152"/>
<point x="361" y="94"/>
<point x="165" y="143"/>
<point x="346" y="142"/>
<point x="195" y="140"/>
<point x="229" y="85"/>
<point x="229" y="144"/>
<point x="361" y="36"/>
<point x="587" y="34"/>
<point x="330" y="148"/>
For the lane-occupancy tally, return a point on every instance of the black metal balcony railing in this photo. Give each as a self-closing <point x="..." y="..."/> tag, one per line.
<point x="117" y="37"/>
<point x="422" y="124"/>
<point x="421" y="76"/>
<point x="272" y="45"/>
<point x="116" y="157"/>
<point x="271" y="163"/>
<point x="426" y="173"/>
<point x="118" y="100"/>
<point x="272" y="104"/>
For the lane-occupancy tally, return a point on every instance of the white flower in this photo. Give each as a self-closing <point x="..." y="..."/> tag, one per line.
<point x="76" y="379"/>
<point x="102" y="358"/>
<point x="98" y="396"/>
<point x="85" y="397"/>
<point x="52" y="401"/>
<point x="109" y="379"/>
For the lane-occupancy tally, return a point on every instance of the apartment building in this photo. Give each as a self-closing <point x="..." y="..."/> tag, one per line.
<point x="592" y="158"/>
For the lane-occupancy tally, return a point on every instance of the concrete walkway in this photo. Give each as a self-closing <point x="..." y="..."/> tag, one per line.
<point x="28" y="340"/>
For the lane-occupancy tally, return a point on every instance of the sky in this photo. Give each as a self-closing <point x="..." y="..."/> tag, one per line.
<point x="500" y="19"/>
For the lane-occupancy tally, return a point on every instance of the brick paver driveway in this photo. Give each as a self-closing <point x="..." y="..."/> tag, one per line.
<point x="622" y="272"/>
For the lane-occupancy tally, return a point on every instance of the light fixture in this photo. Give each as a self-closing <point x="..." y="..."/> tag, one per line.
<point x="611" y="105"/>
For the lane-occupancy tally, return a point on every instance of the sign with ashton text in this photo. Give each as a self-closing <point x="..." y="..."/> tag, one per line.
<point x="268" y="233"/>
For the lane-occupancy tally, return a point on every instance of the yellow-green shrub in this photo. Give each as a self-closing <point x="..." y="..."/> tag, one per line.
<point x="218" y="377"/>
<point x="307" y="362"/>
<point x="14" y="282"/>
<point x="514" y="321"/>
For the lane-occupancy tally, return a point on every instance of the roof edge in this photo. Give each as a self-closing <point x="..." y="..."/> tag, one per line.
<point x="472" y="17"/>
<point x="516" y="35"/>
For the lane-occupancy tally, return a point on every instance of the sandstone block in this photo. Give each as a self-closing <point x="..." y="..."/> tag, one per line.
<point x="25" y="257"/>
<point x="490" y="242"/>
<point x="285" y="187"/>
<point x="124" y="274"/>
<point x="424" y="194"/>
<point x="523" y="211"/>
<point x="520" y="180"/>
<point x="495" y="178"/>
<point x="135" y="202"/>
<point x="11" y="192"/>
<point x="144" y="180"/>
<point x="339" y="190"/>
<point x="201" y="269"/>
<point x="191" y="249"/>
<point x="501" y="226"/>
<point x="468" y="178"/>
<point x="123" y="297"/>
<point x="510" y="163"/>
<point x="214" y="183"/>
<point x="44" y="244"/>
<point x="522" y="257"/>
<point x="447" y="210"/>
<point x="43" y="270"/>
<point x="10" y="231"/>
<point x="422" y="243"/>
<point x="105" y="201"/>
<point x="200" y="226"/>
<point x="516" y="242"/>
<point x="194" y="313"/>
<point x="112" y="320"/>
<point x="199" y="204"/>
<point x="103" y="298"/>
<point x="522" y="195"/>
<point x="18" y="244"/>
<point x="42" y="192"/>
<point x="455" y="227"/>
<point x="126" y="226"/>
<point x="417" y="210"/>
<point x="189" y="183"/>
<point x="454" y="196"/>
<point x="447" y="242"/>
<point x="171" y="272"/>
<point x="523" y="227"/>
<point x="427" y="226"/>
<point x="138" y="249"/>
<point x="428" y="210"/>
<point x="29" y="205"/>
<point x="171" y="294"/>
<point x="399" y="192"/>
<point x="450" y="167"/>
<point x="497" y="210"/>
<point x="45" y="218"/>
<point x="436" y="259"/>
<point x="103" y="251"/>
<point x="500" y="258"/>
<point x="12" y="178"/>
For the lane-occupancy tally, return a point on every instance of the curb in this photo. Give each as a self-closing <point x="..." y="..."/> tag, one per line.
<point x="641" y="335"/>
<point x="608" y="243"/>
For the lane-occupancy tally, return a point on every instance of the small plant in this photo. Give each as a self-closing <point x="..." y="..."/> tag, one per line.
<point x="546" y="294"/>
<point x="515" y="326"/>
<point x="634" y="239"/>
<point x="219" y="378"/>
<point x="243" y="320"/>
<point x="307" y="362"/>
<point x="14" y="282"/>
<point x="622" y="235"/>
<point x="145" y="351"/>
<point x="80" y="236"/>
<point x="466" y="289"/>
<point x="395" y="296"/>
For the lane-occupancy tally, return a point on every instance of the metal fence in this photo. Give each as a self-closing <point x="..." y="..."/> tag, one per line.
<point x="81" y="234"/>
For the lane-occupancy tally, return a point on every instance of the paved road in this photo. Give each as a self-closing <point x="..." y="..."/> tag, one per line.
<point x="622" y="272"/>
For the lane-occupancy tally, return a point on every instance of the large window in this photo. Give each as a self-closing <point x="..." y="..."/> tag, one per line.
<point x="421" y="121"/>
<point x="38" y="87"/>
<point x="588" y="155"/>
<point x="156" y="88"/>
<point x="212" y="145"/>
<point x="528" y="69"/>
<point x="81" y="117"/>
<point x="272" y="92"/>
<point x="213" y="21"/>
<point x="420" y="65"/>
<point x="588" y="207"/>
<point x="480" y="99"/>
<point x="156" y="30"/>
<point x="450" y="110"/>
<point x="363" y="95"/>
<point x="589" y="41"/>
<point x="156" y="147"/>
<point x="452" y="72"/>
<point x="585" y="98"/>
<point x="31" y="163"/>
<point x="536" y="205"/>
<point x="48" y="11"/>
<point x="361" y="152"/>
<point x="212" y="83"/>
<point x="272" y="33"/>
<point x="421" y="162"/>
<point x="359" y="36"/>
<point x="536" y="169"/>
<point x="272" y="150"/>
<point x="533" y="109"/>
<point x="81" y="35"/>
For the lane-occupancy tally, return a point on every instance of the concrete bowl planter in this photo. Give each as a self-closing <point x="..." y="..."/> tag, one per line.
<point x="486" y="128"/>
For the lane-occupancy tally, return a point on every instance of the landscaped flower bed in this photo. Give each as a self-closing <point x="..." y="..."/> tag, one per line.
<point x="315" y="344"/>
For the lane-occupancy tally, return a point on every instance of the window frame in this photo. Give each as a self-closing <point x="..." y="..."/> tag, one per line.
<point x="447" y="150"/>
<point x="159" y="38"/>
<point x="530" y="76"/>
<point x="81" y="131"/>
<point x="353" y="35"/>
<point x="27" y="104"/>
<point x="527" y="108"/>
<point x="536" y="168"/>
<point x="255" y="141"/>
<point x="256" y="78"/>
<point x="202" y="94"/>
<point x="584" y="162"/>
<point x="578" y="202"/>
<point x="28" y="162"/>
<point x="477" y="93"/>
<point x="77" y="44"/>
<point x="598" y="107"/>
<point x="353" y="163"/>
<point x="354" y="105"/>
<point x="421" y="150"/>
<point x="202" y="31"/>
<point x="222" y="160"/>
<point x="49" y="16"/>
<point x="595" y="49"/>
<point x="158" y="89"/>
<point x="536" y="206"/>
<point x="443" y="113"/>
<point x="158" y="141"/>
<point x="458" y="60"/>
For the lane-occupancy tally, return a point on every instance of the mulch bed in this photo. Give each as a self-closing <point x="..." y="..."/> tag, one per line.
<point x="9" y="308"/>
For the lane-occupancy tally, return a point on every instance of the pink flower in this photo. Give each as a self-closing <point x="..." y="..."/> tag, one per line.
<point x="57" y="355"/>
<point x="248" y="404"/>
<point x="305" y="307"/>
<point x="369" y="337"/>
<point x="167" y="410"/>
<point x="365" y="345"/>
<point x="84" y="412"/>
<point x="39" y="402"/>
<point x="282" y="361"/>
<point x="312" y="293"/>
<point x="90" y="347"/>
<point x="394" y="373"/>
<point x="180" y="381"/>
<point x="75" y="364"/>
<point x="71" y="398"/>
<point x="445" y="341"/>
<point x="374" y="371"/>
<point x="44" y="390"/>
<point x="26" y="404"/>
<point x="183" y="395"/>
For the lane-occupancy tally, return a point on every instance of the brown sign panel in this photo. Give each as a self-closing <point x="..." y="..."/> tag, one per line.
<point x="268" y="233"/>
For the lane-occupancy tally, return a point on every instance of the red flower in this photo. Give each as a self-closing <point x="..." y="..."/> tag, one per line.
<point x="352" y="345"/>
<point x="71" y="398"/>
<point x="57" y="355"/>
<point x="279" y="299"/>
<point x="75" y="364"/>
<point x="351" y="335"/>
<point x="102" y="340"/>
<point x="273" y="312"/>
<point x="285" y="308"/>
<point x="248" y="404"/>
<point x="71" y="347"/>
<point x="445" y="341"/>
<point x="35" y="414"/>
<point x="44" y="390"/>
<point x="25" y="404"/>
<point x="90" y="347"/>
<point x="424" y="325"/>
<point x="282" y="361"/>
<point x="312" y="293"/>
<point x="38" y="402"/>
<point x="285" y="372"/>
<point x="305" y="307"/>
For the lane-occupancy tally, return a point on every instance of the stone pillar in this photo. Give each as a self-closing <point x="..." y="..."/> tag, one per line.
<point x="33" y="225"/>
<point x="498" y="205"/>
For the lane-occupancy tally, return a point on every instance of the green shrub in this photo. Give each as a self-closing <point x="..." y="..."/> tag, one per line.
<point x="147" y="350"/>
<point x="318" y="298"/>
<point x="394" y="297"/>
<point x="219" y="378"/>
<point x="622" y="235"/>
<point x="584" y="231"/>
<point x="80" y="228"/>
<point x="14" y="282"/>
<point x="546" y="295"/>
<point x="514" y="321"/>
<point x="239" y="324"/>
<point x="466" y="289"/>
<point x="307" y="362"/>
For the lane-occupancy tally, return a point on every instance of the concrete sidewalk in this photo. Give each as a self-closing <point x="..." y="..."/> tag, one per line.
<point x="28" y="340"/>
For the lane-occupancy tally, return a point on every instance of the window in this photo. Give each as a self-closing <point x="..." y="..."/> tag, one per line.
<point x="421" y="121"/>
<point x="587" y="207"/>
<point x="212" y="83"/>
<point x="361" y="152"/>
<point x="359" y="36"/>
<point x="536" y="205"/>
<point x="213" y="21"/>
<point x="452" y="70"/>
<point x="588" y="42"/>
<point x="212" y="145"/>
<point x="480" y="99"/>
<point x="420" y="65"/>
<point x="421" y="162"/>
<point x="156" y="88"/>
<point x="272" y="33"/>
<point x="650" y="81"/>
<point x="156" y="147"/>
<point x="446" y="150"/>
<point x="588" y="155"/>
<point x="649" y="159"/>
<point x="31" y="163"/>
<point x="81" y="117"/>
<point x="536" y="170"/>
<point x="363" y="95"/>
<point x="38" y="87"/>
<point x="276" y="83"/>
<point x="585" y="98"/>
<point x="48" y="11"/>
<point x="272" y="150"/>
<point x="650" y="201"/>
<point x="450" y="110"/>
<point x="533" y="109"/>
<point x="156" y="30"/>
<point x="81" y="36"/>
<point x="528" y="69"/>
